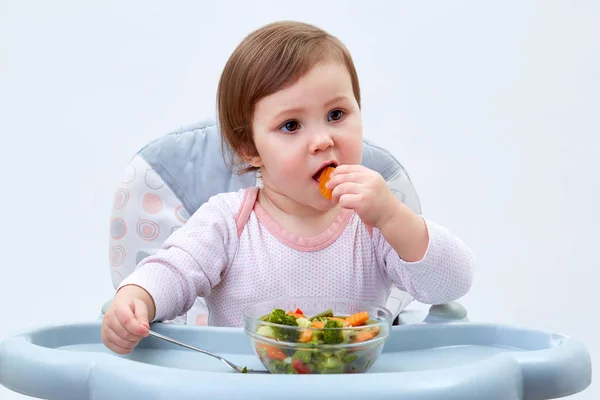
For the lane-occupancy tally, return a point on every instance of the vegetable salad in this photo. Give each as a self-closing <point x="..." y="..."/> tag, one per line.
<point x="312" y="337"/>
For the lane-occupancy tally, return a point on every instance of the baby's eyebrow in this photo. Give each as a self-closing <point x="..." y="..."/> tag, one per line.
<point x="295" y="110"/>
<point x="298" y="110"/>
<point x="336" y="99"/>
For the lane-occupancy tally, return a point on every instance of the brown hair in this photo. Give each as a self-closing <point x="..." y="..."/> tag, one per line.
<point x="266" y="61"/>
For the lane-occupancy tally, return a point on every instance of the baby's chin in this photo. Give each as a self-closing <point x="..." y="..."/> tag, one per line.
<point x="324" y="205"/>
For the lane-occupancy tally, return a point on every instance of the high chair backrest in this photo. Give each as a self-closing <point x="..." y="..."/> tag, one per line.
<point x="172" y="176"/>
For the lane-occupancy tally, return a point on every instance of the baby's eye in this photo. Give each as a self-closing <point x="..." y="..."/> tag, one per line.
<point x="290" y="126"/>
<point x="335" y="115"/>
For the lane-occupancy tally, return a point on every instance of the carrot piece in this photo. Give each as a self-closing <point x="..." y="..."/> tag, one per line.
<point x="317" y="324"/>
<point x="366" y="335"/>
<point x="276" y="354"/>
<point x="323" y="179"/>
<point x="305" y="336"/>
<point x="359" y="318"/>
<point x="271" y="352"/>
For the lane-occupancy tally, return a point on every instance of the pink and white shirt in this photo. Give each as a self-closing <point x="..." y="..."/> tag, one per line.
<point x="233" y="254"/>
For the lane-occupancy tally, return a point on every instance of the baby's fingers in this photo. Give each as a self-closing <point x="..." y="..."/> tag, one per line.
<point x="118" y="344"/>
<point x="140" y="310"/>
<point x="121" y="331"/>
<point x="349" y="168"/>
<point x="344" y="189"/>
<point x="338" y="179"/>
<point x="351" y="201"/>
<point x="127" y="319"/>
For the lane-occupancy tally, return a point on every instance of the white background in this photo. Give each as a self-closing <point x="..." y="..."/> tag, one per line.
<point x="492" y="106"/>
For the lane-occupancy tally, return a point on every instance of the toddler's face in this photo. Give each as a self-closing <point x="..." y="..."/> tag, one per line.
<point x="305" y="127"/>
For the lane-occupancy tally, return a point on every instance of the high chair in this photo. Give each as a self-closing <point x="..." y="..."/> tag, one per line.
<point x="429" y="355"/>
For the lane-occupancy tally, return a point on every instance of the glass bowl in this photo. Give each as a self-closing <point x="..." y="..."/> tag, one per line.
<point x="328" y="337"/>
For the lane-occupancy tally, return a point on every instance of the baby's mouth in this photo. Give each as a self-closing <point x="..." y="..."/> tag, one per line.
<point x="317" y="176"/>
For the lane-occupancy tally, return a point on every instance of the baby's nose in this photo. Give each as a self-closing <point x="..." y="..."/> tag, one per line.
<point x="321" y="142"/>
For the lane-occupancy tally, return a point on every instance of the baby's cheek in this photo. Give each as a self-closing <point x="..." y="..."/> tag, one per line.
<point x="355" y="150"/>
<point x="351" y="145"/>
<point x="289" y="168"/>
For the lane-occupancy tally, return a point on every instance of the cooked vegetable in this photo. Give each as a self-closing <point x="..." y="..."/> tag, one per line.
<point x="306" y="336"/>
<point x="334" y="334"/>
<point x="323" y="179"/>
<point x="326" y="313"/>
<point x="300" y="367"/>
<point x="303" y="322"/>
<point x="366" y="335"/>
<point x="281" y="367"/>
<point x="321" y="329"/>
<point x="271" y="352"/>
<point x="278" y="316"/>
<point x="302" y="355"/>
<point x="317" y="324"/>
<point x="359" y="318"/>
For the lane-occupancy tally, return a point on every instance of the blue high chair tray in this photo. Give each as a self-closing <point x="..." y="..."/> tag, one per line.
<point x="419" y="361"/>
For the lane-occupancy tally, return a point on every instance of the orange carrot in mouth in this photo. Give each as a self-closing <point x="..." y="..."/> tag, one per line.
<point x="323" y="179"/>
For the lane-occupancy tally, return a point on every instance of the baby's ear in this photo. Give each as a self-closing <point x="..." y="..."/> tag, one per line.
<point x="252" y="157"/>
<point x="254" y="161"/>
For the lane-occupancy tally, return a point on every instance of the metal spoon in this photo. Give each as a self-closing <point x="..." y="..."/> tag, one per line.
<point x="231" y="365"/>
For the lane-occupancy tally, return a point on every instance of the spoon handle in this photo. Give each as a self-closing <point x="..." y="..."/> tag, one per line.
<point x="168" y="339"/>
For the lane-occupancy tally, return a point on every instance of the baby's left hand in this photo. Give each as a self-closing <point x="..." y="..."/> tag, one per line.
<point x="363" y="190"/>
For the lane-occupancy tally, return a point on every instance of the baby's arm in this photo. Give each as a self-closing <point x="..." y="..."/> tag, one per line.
<point x="191" y="263"/>
<point x="438" y="266"/>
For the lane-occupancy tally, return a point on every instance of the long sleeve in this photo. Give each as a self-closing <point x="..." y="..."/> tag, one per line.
<point x="444" y="274"/>
<point x="193" y="259"/>
<point x="145" y="212"/>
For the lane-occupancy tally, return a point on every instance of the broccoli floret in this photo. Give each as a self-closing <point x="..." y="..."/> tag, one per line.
<point x="302" y="355"/>
<point x="281" y="367"/>
<point x="277" y="366"/>
<point x="333" y="336"/>
<point x="347" y="359"/>
<point x="303" y="322"/>
<point x="327" y="363"/>
<point x="278" y="316"/>
<point x="332" y="363"/>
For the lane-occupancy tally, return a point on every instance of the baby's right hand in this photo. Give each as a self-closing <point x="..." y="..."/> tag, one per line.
<point x="125" y="323"/>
